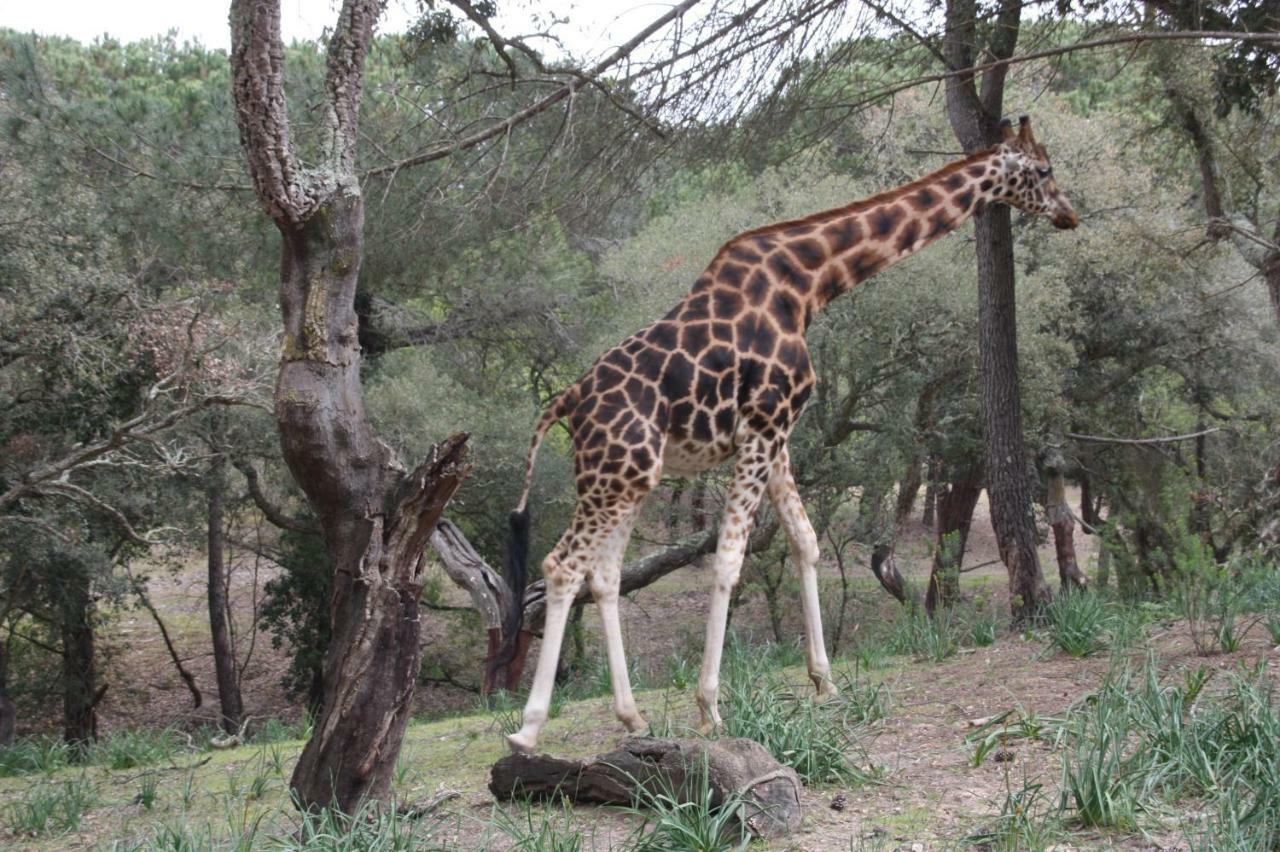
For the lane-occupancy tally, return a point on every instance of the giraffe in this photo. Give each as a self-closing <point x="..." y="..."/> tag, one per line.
<point x="724" y="375"/>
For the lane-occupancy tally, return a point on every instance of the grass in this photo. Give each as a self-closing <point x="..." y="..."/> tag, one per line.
<point x="1144" y="744"/>
<point x="672" y="822"/>
<point x="52" y="807"/>
<point x="531" y="829"/>
<point x="42" y="754"/>
<point x="926" y="638"/>
<point x="820" y="741"/>
<point x="1076" y="622"/>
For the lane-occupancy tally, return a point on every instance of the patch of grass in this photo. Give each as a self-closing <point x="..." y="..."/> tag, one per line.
<point x="816" y="740"/>
<point x="983" y="628"/>
<point x="132" y="748"/>
<point x="1027" y="820"/>
<point x="539" y="829"/>
<point x="924" y="638"/>
<point x="52" y="807"/>
<point x="277" y="730"/>
<point x="688" y="823"/>
<point x="1076" y="622"/>
<point x="148" y="790"/>
<point x="1141" y="743"/>
<point x="34" y="754"/>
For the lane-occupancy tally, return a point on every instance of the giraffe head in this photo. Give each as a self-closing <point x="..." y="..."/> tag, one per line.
<point x="1028" y="176"/>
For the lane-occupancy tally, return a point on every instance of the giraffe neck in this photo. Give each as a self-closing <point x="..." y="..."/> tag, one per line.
<point x="831" y="252"/>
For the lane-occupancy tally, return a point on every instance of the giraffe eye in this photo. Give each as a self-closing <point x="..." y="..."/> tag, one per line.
<point x="1044" y="171"/>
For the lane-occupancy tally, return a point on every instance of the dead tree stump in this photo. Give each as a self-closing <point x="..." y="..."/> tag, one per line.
<point x="771" y="791"/>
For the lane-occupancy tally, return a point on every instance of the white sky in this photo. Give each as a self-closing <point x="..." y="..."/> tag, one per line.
<point x="596" y="24"/>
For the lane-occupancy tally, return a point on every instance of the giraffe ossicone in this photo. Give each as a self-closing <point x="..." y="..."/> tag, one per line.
<point x="724" y="375"/>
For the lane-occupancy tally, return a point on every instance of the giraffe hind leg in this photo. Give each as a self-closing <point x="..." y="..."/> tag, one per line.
<point x="605" y="580"/>
<point x="564" y="575"/>
<point x="804" y="553"/>
<point x="591" y="548"/>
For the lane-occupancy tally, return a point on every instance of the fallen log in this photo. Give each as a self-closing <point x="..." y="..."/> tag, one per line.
<point x="770" y="792"/>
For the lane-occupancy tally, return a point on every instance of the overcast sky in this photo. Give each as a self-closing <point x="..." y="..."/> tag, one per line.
<point x="597" y="24"/>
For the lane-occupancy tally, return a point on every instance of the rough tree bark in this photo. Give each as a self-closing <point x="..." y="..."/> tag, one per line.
<point x="955" y="515"/>
<point x="80" y="692"/>
<point x="375" y="517"/>
<point x="770" y="792"/>
<point x="975" y="110"/>
<point x="230" y="702"/>
<point x="8" y="712"/>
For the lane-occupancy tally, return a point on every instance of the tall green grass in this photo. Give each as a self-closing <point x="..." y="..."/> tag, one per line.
<point x="820" y="741"/>
<point x="1141" y="744"/>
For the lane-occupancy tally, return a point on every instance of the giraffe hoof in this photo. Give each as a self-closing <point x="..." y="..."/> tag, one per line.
<point x="707" y="728"/>
<point x="635" y="724"/>
<point x="826" y="689"/>
<point x="521" y="743"/>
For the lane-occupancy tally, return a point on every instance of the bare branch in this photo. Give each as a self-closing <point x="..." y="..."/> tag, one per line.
<point x="539" y="106"/>
<point x="1168" y="439"/>
<point x="270" y="510"/>
<point x="1130" y="38"/>
<point x="139" y="429"/>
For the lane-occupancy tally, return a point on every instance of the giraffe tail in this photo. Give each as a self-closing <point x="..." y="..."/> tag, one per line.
<point x="516" y="566"/>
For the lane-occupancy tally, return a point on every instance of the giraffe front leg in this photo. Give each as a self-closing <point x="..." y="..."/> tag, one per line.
<point x="562" y="587"/>
<point x="750" y="473"/>
<point x="624" y="702"/>
<point x="804" y="553"/>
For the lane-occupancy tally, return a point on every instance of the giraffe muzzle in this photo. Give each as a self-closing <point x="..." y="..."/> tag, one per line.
<point x="1066" y="220"/>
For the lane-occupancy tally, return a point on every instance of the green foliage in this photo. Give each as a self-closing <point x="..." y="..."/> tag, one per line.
<point x="295" y="609"/>
<point x="1027" y="820"/>
<point x="1138" y="743"/>
<point x="148" y="789"/>
<point x="531" y="829"/>
<point x="688" y="820"/>
<point x="935" y="638"/>
<point x="128" y="748"/>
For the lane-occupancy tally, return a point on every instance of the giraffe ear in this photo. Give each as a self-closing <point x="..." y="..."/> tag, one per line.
<point x="1006" y="129"/>
<point x="1024" y="130"/>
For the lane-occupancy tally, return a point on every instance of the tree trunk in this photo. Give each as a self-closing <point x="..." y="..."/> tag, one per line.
<point x="930" y="493"/>
<point x="955" y="516"/>
<point x="376" y="519"/>
<point x="1000" y="396"/>
<point x="224" y="655"/>
<point x="1063" y="524"/>
<point x="8" y="712"/>
<point x="975" y="115"/>
<point x="79" y="672"/>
